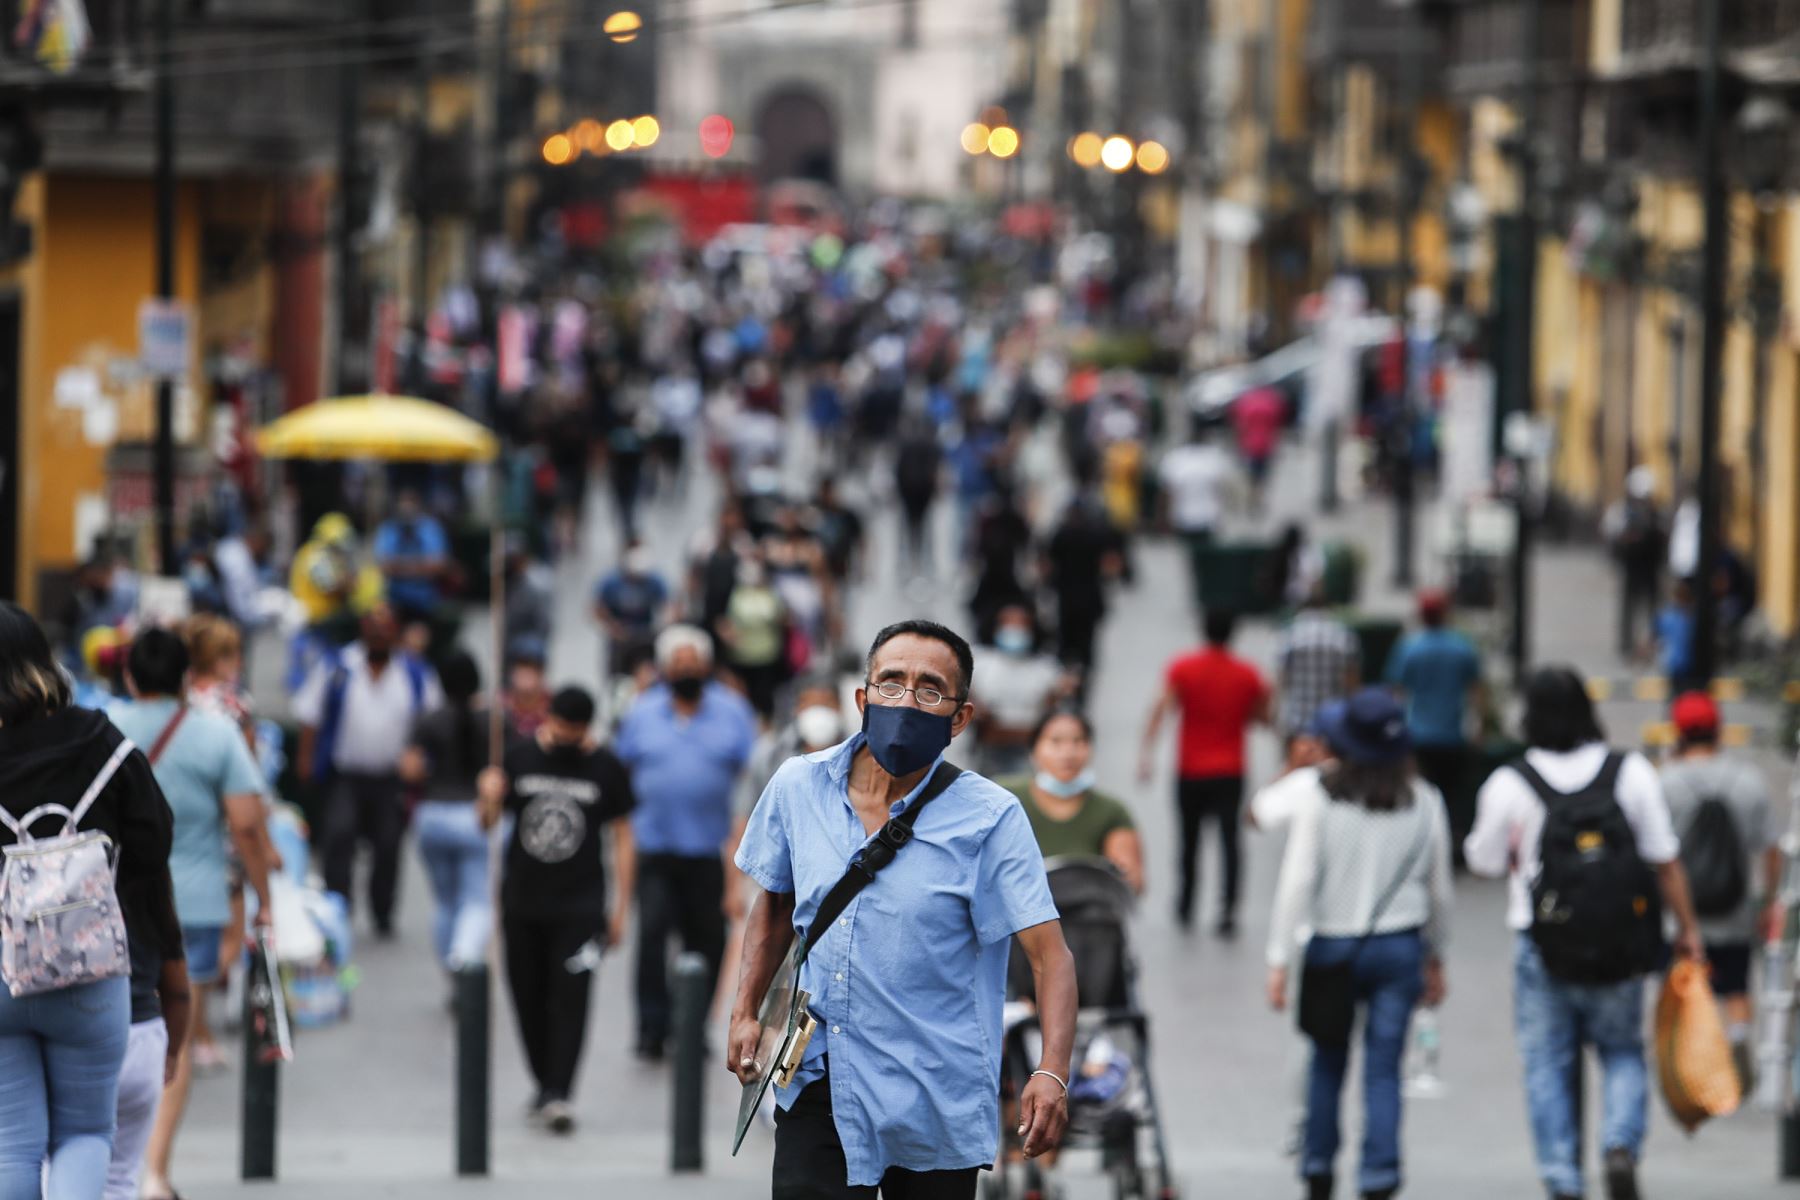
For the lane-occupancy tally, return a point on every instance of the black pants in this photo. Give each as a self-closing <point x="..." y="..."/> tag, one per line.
<point x="1218" y="799"/>
<point x="676" y="894"/>
<point x="1446" y="769"/>
<point x="809" y="1160"/>
<point x="364" y="809"/>
<point x="1077" y="628"/>
<point x="550" y="1000"/>
<point x="1637" y="595"/>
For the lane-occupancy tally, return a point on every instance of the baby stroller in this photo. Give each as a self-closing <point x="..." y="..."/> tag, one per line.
<point x="1113" y="1118"/>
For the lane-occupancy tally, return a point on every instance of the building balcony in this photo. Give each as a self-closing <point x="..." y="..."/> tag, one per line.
<point x="1663" y="39"/>
<point x="1486" y="40"/>
<point x="1381" y="34"/>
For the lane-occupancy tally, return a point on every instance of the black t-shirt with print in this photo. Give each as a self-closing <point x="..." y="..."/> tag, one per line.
<point x="559" y="799"/>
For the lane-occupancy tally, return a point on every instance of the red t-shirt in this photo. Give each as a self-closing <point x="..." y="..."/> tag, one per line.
<point x="1219" y="694"/>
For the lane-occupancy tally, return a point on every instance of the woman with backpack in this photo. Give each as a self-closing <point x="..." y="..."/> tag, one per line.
<point x="62" y="1047"/>
<point x="1367" y="869"/>
<point x="1585" y="835"/>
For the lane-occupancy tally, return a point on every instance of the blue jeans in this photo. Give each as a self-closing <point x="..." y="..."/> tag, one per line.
<point x="1554" y="1020"/>
<point x="1390" y="975"/>
<point x="455" y="851"/>
<point x="60" y="1055"/>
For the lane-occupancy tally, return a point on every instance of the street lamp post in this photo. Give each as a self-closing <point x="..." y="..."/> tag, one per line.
<point x="1518" y="401"/>
<point x="163" y="452"/>
<point x="1705" y="658"/>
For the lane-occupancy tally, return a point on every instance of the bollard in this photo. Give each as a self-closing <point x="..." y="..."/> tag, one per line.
<point x="1790" y="1145"/>
<point x="472" y="1116"/>
<point x="262" y="1095"/>
<point x="691" y="1002"/>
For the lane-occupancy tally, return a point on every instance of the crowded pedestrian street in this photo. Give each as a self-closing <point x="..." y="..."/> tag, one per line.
<point x="899" y="599"/>
<point x="368" y="1107"/>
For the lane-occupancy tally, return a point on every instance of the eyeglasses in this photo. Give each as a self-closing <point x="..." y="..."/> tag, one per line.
<point x="928" y="697"/>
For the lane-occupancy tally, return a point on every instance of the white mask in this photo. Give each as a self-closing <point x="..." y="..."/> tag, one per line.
<point x="819" y="726"/>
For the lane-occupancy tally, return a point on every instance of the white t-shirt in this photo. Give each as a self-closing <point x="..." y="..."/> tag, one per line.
<point x="1195" y="478"/>
<point x="378" y="713"/>
<point x="1509" y="818"/>
<point x="1014" y="690"/>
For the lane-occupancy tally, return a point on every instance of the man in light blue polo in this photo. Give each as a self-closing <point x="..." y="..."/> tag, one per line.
<point x="898" y="1091"/>
<point x="686" y="741"/>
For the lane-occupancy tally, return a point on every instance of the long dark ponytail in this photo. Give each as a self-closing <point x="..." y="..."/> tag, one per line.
<point x="461" y="679"/>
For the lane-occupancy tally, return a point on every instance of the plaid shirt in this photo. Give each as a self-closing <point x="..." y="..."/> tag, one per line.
<point x="1317" y="654"/>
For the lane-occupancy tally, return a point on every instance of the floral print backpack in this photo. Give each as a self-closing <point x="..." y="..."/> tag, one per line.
<point x="60" y="922"/>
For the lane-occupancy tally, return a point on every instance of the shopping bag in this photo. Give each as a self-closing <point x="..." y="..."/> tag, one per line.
<point x="270" y="1040"/>
<point x="1693" y="1055"/>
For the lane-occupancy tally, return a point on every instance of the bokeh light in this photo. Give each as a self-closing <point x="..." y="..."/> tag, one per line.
<point x="558" y="149"/>
<point x="1003" y="142"/>
<point x="975" y="138"/>
<point x="1117" y="152"/>
<point x="1084" y="148"/>
<point x="645" y="131"/>
<point x="620" y="135"/>
<point x="1153" y="158"/>
<point x="715" y="136"/>
<point x="589" y="135"/>
<point x="623" y="26"/>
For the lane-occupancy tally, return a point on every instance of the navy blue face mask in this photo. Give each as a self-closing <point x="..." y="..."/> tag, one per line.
<point x="905" y="739"/>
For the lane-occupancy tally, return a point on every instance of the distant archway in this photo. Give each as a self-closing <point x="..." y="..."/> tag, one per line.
<point x="798" y="135"/>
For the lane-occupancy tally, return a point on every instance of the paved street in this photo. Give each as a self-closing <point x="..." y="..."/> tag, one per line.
<point x="367" y="1108"/>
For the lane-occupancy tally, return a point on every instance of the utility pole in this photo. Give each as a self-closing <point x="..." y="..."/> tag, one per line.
<point x="347" y="345"/>
<point x="1412" y="167"/>
<point x="164" y="450"/>
<point x="1714" y="254"/>
<point x="1521" y="326"/>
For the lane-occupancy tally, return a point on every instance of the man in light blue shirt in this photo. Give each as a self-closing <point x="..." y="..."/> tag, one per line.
<point x="1438" y="671"/>
<point x="413" y="551"/>
<point x="686" y="741"/>
<point x="899" y="1086"/>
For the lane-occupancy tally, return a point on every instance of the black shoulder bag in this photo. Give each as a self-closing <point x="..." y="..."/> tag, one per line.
<point x="1327" y="1008"/>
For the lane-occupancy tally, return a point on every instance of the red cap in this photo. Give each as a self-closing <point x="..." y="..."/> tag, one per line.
<point x="1434" y="604"/>
<point x="1694" y="712"/>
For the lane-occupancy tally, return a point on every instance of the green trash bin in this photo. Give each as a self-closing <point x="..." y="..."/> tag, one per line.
<point x="1342" y="575"/>
<point x="1376" y="637"/>
<point x="1234" y="576"/>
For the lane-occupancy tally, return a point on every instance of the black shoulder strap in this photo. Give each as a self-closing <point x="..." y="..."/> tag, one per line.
<point x="1606" y="781"/>
<point x="876" y="854"/>
<point x="1534" y="781"/>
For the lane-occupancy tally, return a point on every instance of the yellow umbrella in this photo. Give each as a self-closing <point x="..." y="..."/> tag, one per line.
<point x="398" y="429"/>
<point x="388" y="428"/>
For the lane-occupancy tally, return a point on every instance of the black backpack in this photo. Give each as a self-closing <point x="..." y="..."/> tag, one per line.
<point x="1712" y="852"/>
<point x="1596" y="912"/>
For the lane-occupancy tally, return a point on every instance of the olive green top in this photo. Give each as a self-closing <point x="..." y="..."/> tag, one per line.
<point x="1083" y="834"/>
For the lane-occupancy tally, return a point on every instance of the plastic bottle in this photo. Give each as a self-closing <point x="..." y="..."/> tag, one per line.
<point x="1422" y="1079"/>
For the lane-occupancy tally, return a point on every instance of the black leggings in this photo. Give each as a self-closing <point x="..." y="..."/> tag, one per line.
<point x="676" y="894"/>
<point x="549" y="999"/>
<point x="1219" y="799"/>
<point x="809" y="1160"/>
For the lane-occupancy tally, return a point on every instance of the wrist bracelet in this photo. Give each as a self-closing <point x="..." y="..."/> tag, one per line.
<point x="1061" y="1082"/>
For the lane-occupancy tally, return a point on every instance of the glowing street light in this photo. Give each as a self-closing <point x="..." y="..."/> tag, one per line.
<point x="623" y="26"/>
<point x="975" y="137"/>
<point x="620" y="135"/>
<point x="1003" y="142"/>
<point x="589" y="135"/>
<point x="645" y="131"/>
<point x="1116" y="153"/>
<point x="1084" y="148"/>
<point x="558" y="149"/>
<point x="1153" y="158"/>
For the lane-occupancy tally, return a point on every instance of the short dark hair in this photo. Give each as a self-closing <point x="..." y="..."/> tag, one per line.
<point x="158" y="663"/>
<point x="574" y="705"/>
<point x="1056" y="714"/>
<point x="31" y="684"/>
<point x="1559" y="713"/>
<point x="932" y="631"/>
<point x="461" y="678"/>
<point x="1220" y="624"/>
